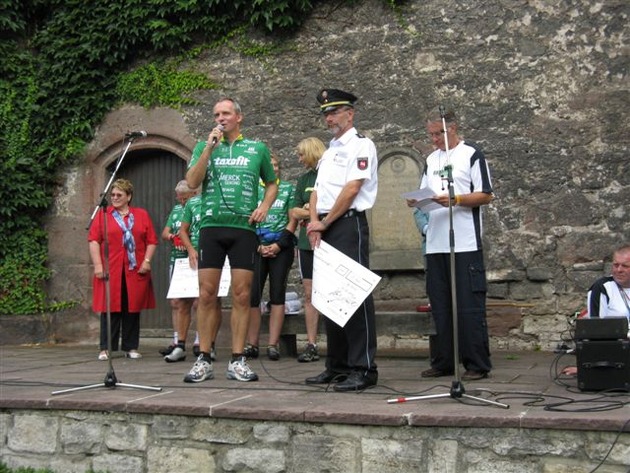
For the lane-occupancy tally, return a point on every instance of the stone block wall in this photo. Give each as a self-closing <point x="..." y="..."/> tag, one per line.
<point x="76" y="442"/>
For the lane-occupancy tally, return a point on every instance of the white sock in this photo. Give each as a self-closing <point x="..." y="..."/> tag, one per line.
<point x="175" y="338"/>
<point x="196" y="338"/>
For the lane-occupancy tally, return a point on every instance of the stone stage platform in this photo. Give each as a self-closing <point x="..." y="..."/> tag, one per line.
<point x="527" y="382"/>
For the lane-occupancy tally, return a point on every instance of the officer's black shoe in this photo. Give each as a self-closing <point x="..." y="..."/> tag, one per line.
<point x="326" y="377"/>
<point x="357" y="381"/>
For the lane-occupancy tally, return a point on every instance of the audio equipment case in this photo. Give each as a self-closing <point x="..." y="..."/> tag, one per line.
<point x="603" y="354"/>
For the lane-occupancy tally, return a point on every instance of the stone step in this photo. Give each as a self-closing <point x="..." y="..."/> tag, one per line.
<point x="408" y="325"/>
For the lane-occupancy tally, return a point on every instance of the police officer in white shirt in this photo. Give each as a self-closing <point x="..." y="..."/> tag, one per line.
<point x="346" y="187"/>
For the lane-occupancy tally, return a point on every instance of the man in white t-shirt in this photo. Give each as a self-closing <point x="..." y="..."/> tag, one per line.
<point x="472" y="189"/>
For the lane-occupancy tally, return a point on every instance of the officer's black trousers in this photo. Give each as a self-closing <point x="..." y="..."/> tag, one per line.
<point x="353" y="347"/>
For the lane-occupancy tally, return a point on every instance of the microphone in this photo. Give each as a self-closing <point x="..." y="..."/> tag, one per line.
<point x="214" y="139"/>
<point x="136" y="134"/>
<point x="442" y="113"/>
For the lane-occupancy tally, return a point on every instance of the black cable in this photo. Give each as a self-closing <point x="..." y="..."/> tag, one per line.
<point x="599" y="404"/>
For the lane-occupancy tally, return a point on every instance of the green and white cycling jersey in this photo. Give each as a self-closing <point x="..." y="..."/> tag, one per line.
<point x="192" y="216"/>
<point x="230" y="188"/>
<point x="278" y="216"/>
<point x="174" y="222"/>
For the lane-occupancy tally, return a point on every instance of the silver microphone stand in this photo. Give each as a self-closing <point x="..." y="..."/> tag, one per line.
<point x="110" y="380"/>
<point x="457" y="390"/>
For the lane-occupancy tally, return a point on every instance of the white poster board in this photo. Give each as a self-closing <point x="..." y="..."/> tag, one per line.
<point x="185" y="280"/>
<point x="340" y="284"/>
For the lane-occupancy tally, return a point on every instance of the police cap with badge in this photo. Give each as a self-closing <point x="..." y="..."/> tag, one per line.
<point x="330" y="99"/>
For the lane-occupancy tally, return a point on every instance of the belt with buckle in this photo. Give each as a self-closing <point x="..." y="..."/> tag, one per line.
<point x="348" y="214"/>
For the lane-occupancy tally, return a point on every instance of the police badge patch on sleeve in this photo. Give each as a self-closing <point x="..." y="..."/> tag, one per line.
<point x="362" y="163"/>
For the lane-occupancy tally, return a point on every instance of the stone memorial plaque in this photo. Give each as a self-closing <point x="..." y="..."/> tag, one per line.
<point x="395" y="241"/>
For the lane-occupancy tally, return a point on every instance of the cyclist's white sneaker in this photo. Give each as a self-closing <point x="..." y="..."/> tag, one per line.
<point x="200" y="371"/>
<point x="240" y="370"/>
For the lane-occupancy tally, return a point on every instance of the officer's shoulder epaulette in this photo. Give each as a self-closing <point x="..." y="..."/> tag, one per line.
<point x="359" y="135"/>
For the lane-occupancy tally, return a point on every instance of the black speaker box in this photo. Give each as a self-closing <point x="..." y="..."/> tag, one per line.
<point x="603" y="365"/>
<point x="606" y="328"/>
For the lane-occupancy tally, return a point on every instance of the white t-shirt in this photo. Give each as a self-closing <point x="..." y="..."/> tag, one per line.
<point x="470" y="174"/>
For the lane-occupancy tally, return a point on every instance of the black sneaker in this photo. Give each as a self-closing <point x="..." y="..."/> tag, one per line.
<point x="250" y="351"/>
<point x="167" y="351"/>
<point x="310" y="354"/>
<point x="272" y="352"/>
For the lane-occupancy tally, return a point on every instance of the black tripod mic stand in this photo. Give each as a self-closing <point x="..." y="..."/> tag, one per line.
<point x="110" y="380"/>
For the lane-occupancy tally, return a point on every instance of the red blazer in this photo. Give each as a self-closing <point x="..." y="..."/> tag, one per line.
<point x="139" y="286"/>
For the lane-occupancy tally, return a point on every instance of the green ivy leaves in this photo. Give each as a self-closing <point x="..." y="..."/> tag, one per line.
<point x="161" y="84"/>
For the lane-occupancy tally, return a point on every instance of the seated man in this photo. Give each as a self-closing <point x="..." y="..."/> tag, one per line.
<point x="609" y="296"/>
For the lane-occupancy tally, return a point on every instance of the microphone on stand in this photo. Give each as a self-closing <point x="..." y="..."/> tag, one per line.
<point x="448" y="166"/>
<point x="136" y="134"/>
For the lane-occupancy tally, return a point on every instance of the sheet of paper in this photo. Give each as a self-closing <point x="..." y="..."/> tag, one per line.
<point x="340" y="284"/>
<point x="424" y="199"/>
<point x="185" y="280"/>
<point x="226" y="279"/>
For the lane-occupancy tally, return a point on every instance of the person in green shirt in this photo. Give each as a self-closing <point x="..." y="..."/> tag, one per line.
<point x="181" y="308"/>
<point x="229" y="167"/>
<point x="274" y="259"/>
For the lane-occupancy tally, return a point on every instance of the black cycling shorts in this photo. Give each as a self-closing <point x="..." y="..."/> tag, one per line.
<point x="215" y="243"/>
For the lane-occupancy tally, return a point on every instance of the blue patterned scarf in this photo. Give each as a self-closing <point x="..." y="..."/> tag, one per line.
<point x="128" y="241"/>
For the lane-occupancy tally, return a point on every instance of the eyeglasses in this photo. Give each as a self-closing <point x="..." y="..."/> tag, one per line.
<point x="435" y="134"/>
<point x="117" y="196"/>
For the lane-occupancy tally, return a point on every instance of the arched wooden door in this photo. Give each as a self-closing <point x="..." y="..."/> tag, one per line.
<point x="154" y="174"/>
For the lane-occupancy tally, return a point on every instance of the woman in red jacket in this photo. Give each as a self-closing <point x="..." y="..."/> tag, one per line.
<point x="132" y="242"/>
